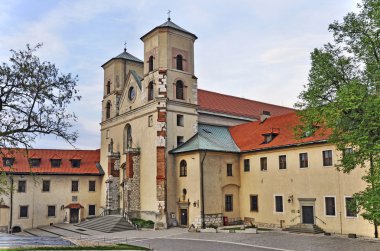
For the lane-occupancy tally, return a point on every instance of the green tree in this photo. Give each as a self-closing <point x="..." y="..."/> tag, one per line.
<point x="343" y="94"/>
<point x="34" y="97"/>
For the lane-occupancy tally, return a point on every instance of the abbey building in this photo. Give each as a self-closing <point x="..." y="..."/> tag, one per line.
<point x="182" y="156"/>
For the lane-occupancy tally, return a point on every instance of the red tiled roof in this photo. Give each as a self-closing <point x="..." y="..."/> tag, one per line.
<point x="89" y="159"/>
<point x="74" y="206"/>
<point x="221" y="103"/>
<point x="249" y="136"/>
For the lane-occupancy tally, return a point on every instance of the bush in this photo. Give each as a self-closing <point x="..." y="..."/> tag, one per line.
<point x="143" y="223"/>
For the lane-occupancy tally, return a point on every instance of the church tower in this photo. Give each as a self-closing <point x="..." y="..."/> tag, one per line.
<point x="149" y="108"/>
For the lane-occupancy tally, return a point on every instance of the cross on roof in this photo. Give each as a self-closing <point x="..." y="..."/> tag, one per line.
<point x="125" y="46"/>
<point x="169" y="11"/>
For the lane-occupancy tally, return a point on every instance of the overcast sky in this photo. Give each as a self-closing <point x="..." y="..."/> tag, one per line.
<point x="256" y="49"/>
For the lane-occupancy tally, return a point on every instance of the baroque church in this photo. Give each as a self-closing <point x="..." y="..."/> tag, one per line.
<point x="183" y="156"/>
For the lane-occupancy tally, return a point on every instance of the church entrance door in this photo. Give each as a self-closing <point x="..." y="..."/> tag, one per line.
<point x="184" y="217"/>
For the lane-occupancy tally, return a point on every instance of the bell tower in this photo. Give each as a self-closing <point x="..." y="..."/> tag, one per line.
<point x="169" y="77"/>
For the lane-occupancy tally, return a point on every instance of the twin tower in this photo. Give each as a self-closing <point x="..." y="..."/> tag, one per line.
<point x="149" y="107"/>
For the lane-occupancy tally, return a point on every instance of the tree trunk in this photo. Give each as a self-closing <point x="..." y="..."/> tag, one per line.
<point x="371" y="169"/>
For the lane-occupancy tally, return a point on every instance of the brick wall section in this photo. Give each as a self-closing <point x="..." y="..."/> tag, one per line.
<point x="111" y="169"/>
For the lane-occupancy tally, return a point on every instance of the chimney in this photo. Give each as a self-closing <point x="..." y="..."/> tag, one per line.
<point x="264" y="115"/>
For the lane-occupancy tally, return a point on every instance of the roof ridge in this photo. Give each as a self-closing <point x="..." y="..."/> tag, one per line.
<point x="245" y="99"/>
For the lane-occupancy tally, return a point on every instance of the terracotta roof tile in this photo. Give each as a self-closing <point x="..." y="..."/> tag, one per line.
<point x="89" y="161"/>
<point x="221" y="103"/>
<point x="249" y="136"/>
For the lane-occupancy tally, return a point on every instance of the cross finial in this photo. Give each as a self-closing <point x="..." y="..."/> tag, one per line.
<point x="125" y="46"/>
<point x="169" y="11"/>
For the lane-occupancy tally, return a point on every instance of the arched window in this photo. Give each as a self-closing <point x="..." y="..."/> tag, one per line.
<point x="150" y="91"/>
<point x="179" y="60"/>
<point x="150" y="63"/>
<point x="108" y="87"/>
<point x="183" y="168"/>
<point x="179" y="90"/>
<point x="127" y="142"/>
<point x="108" y="110"/>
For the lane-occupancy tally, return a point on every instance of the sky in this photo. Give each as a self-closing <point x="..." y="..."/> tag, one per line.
<point x="255" y="49"/>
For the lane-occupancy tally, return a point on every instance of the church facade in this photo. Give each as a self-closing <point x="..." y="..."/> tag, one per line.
<point x="179" y="155"/>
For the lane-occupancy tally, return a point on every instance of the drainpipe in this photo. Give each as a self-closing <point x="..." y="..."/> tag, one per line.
<point x="11" y="203"/>
<point x="202" y="194"/>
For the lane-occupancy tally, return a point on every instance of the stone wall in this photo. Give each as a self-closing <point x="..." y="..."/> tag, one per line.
<point x="132" y="186"/>
<point x="210" y="219"/>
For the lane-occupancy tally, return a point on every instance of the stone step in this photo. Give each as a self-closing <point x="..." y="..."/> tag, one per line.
<point x="107" y="224"/>
<point x="305" y="228"/>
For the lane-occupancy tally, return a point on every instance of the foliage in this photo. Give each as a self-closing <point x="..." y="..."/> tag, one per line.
<point x="143" y="223"/>
<point x="343" y="94"/>
<point x="34" y="97"/>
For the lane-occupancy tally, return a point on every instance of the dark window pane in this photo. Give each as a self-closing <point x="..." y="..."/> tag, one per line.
<point x="229" y="169"/>
<point x="45" y="185"/>
<point x="330" y="206"/>
<point x="34" y="162"/>
<point x="8" y="161"/>
<point x="179" y="89"/>
<point x="91" y="210"/>
<point x="282" y="161"/>
<point x="263" y="164"/>
<point x="327" y="158"/>
<point x="228" y="203"/>
<point x="279" y="204"/>
<point x="246" y="165"/>
<point x="74" y="186"/>
<point x="150" y="63"/>
<point x="304" y="162"/>
<point x="183" y="168"/>
<point x="55" y="162"/>
<point x="21" y="186"/>
<point x="180" y="140"/>
<point x="91" y="186"/>
<point x="180" y="120"/>
<point x="254" y="203"/>
<point x="23" y="211"/>
<point x="150" y="91"/>
<point x="75" y="163"/>
<point x="51" y="211"/>
<point x="179" y="60"/>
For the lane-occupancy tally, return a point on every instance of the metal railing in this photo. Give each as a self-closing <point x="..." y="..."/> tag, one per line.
<point x="320" y="220"/>
<point x="298" y="216"/>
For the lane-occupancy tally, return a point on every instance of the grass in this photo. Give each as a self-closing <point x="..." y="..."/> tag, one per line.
<point x="110" y="247"/>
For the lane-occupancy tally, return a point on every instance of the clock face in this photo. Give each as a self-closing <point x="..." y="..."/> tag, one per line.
<point x="131" y="93"/>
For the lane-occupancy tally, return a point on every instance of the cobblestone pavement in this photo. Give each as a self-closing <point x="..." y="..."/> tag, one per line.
<point x="7" y="240"/>
<point x="180" y="239"/>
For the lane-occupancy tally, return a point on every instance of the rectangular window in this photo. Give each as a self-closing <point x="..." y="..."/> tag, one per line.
<point x="229" y="169"/>
<point x="46" y="186"/>
<point x="246" y="165"/>
<point x="180" y="120"/>
<point x="55" y="162"/>
<point x="179" y="140"/>
<point x="351" y="207"/>
<point x="21" y="186"/>
<point x="330" y="206"/>
<point x="8" y="161"/>
<point x="23" y="212"/>
<point x="327" y="158"/>
<point x="74" y="198"/>
<point x="91" y="209"/>
<point x="75" y="163"/>
<point x="348" y="150"/>
<point x="91" y="186"/>
<point x="150" y="120"/>
<point x="263" y="164"/>
<point x="74" y="186"/>
<point x="282" y="161"/>
<point x="254" y="203"/>
<point x="279" y="204"/>
<point x="229" y="203"/>
<point x="34" y="162"/>
<point x="51" y="211"/>
<point x="304" y="161"/>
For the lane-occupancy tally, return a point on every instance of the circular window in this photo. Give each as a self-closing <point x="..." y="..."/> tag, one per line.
<point x="131" y="93"/>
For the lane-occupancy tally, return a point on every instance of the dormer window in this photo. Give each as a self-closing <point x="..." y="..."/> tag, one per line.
<point x="150" y="63"/>
<point x="8" y="161"/>
<point x="179" y="60"/>
<point x="75" y="163"/>
<point x="34" y="162"/>
<point x="55" y="163"/>
<point x="268" y="137"/>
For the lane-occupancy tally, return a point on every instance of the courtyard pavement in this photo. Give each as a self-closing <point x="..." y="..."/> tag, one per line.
<point x="180" y="239"/>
